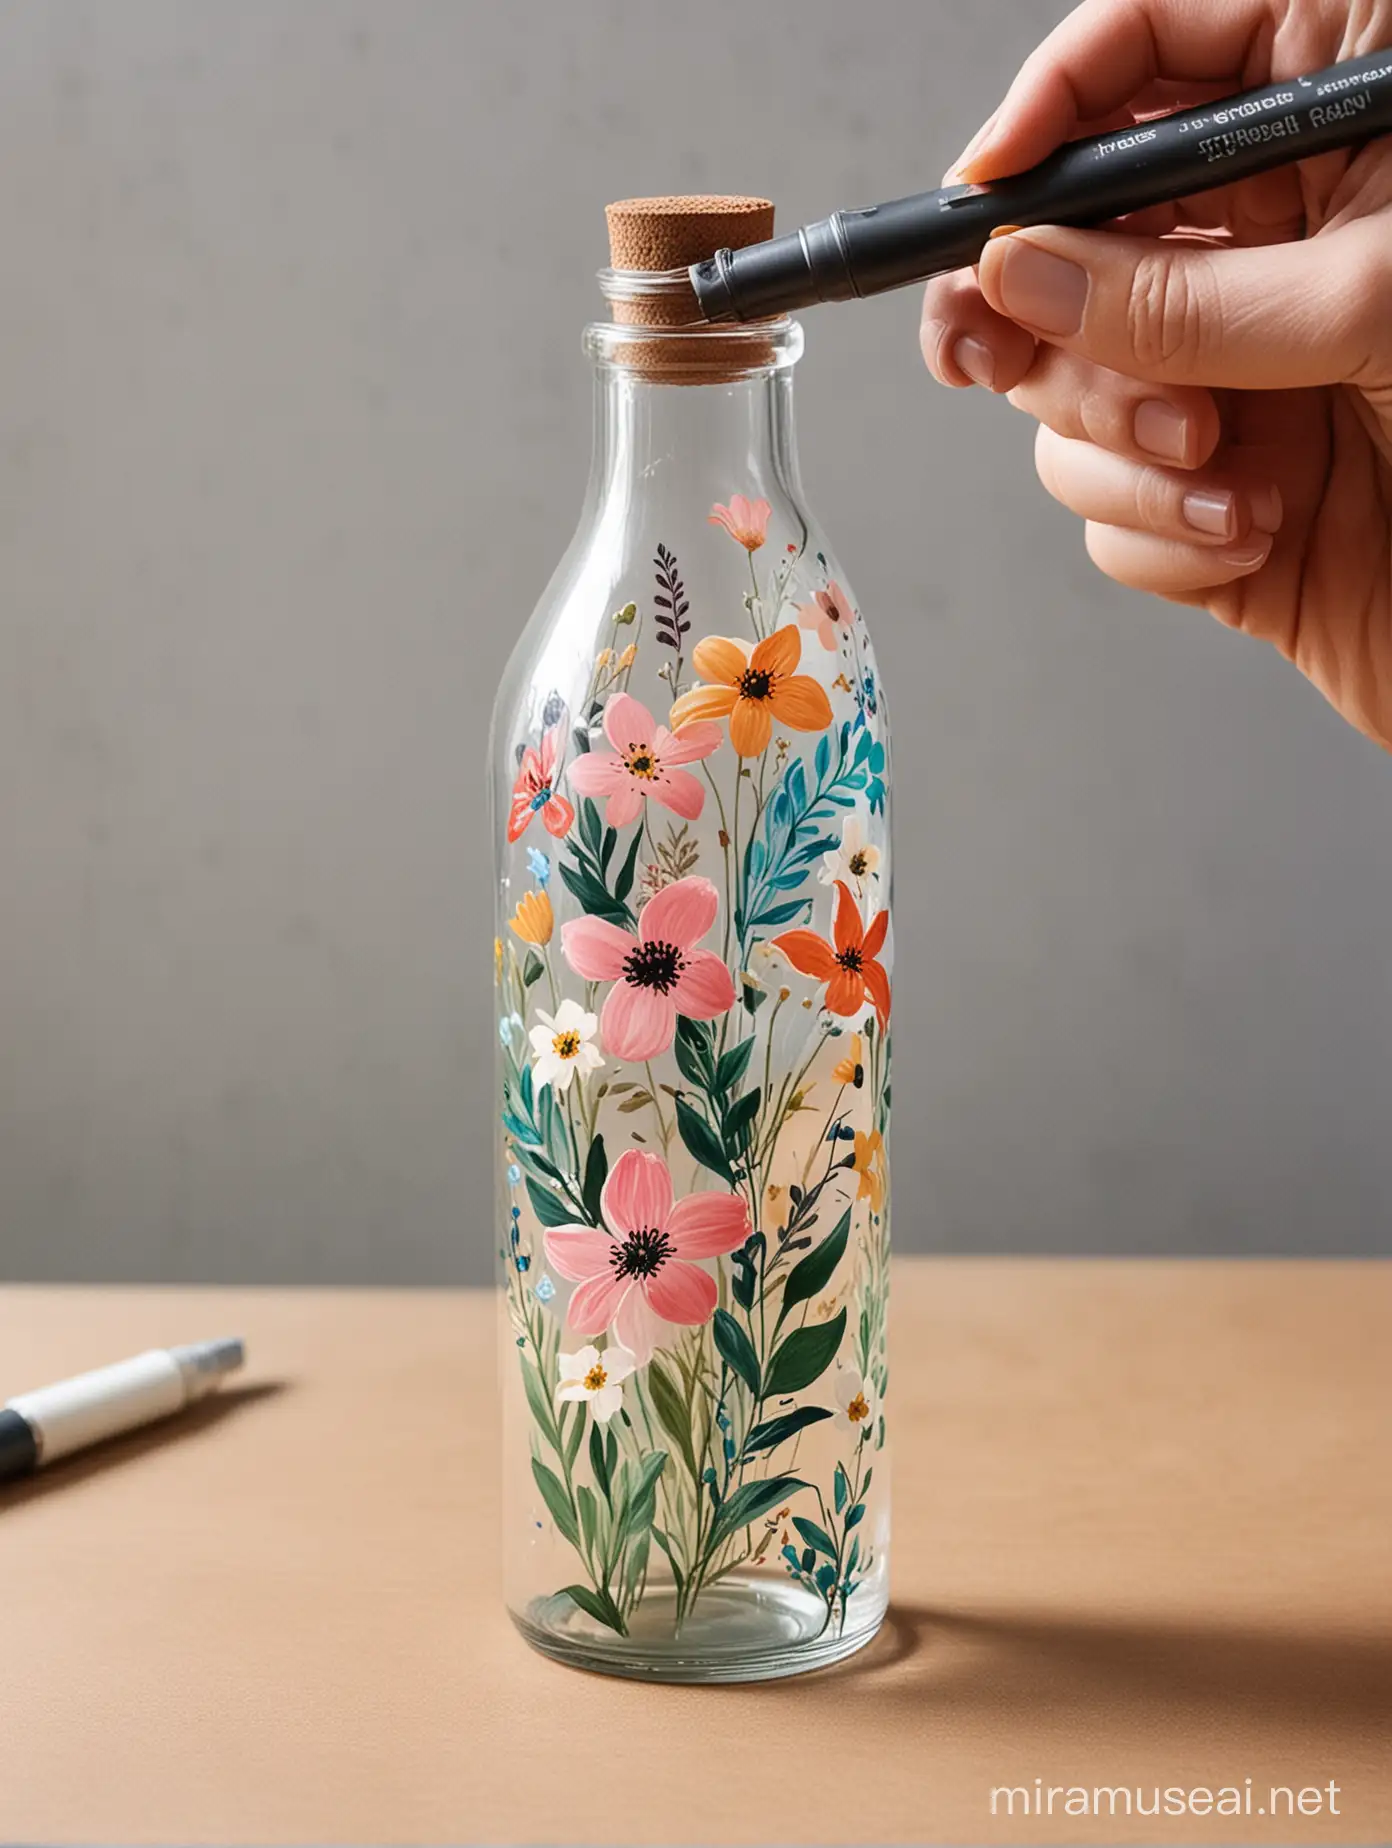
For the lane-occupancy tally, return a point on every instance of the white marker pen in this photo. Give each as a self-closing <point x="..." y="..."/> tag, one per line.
<point x="39" y="1427"/>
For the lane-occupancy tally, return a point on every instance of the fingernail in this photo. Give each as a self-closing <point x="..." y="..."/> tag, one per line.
<point x="1043" y="290"/>
<point x="977" y="142"/>
<point x="1246" y="556"/>
<point x="1161" y="430"/>
<point x="976" y="360"/>
<point x="1002" y="231"/>
<point x="1210" y="511"/>
<point x="1267" y="510"/>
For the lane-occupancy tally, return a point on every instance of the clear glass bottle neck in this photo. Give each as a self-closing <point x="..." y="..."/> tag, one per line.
<point x="711" y="407"/>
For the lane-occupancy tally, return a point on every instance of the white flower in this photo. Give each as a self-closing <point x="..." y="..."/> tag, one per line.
<point x="562" y="1045"/>
<point x="855" y="861"/>
<point x="855" y="1401"/>
<point x="595" y="1377"/>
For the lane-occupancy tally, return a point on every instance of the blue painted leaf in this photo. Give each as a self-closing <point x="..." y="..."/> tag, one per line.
<point x="815" y="1536"/>
<point x="736" y="1349"/>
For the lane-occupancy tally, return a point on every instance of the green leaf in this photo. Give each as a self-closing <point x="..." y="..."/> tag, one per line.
<point x="734" y="1062"/>
<point x="590" y="825"/>
<point x="749" y="1501"/>
<point x="813" y="1274"/>
<point x="635" y="1564"/>
<point x="596" y="1174"/>
<point x="695" y="1037"/>
<point x="642" y="1502"/>
<point x="606" y="849"/>
<point x="598" y="1462"/>
<point x="736" y="1349"/>
<point x="815" y="1536"/>
<point x="777" y="1431"/>
<point x="739" y="1120"/>
<point x="700" y="1139"/>
<point x="556" y="1499"/>
<point x="693" y="1062"/>
<point x="597" y="1604"/>
<point x="593" y="897"/>
<point x="840" y="1488"/>
<point x="576" y="1433"/>
<point x="865" y="1486"/>
<point x="589" y="1514"/>
<point x="548" y="1207"/>
<point x="678" y="1578"/>
<point x="672" y="1413"/>
<point x="623" y="883"/>
<point x="856" y="1516"/>
<point x="542" y="1409"/>
<point x="639" y="1101"/>
<point x="804" y="1356"/>
<point x="532" y="969"/>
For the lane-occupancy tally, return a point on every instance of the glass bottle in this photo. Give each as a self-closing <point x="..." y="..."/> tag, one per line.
<point x="691" y="808"/>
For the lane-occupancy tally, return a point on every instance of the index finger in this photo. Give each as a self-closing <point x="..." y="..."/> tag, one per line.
<point x="1104" y="54"/>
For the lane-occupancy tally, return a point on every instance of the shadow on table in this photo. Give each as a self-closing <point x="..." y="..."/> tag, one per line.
<point x="925" y="1658"/>
<point x="127" y="1450"/>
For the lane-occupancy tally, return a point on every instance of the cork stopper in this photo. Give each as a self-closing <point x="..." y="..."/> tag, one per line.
<point x="663" y="237"/>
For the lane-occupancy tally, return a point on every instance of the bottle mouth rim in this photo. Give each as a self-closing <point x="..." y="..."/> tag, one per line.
<point x="678" y="345"/>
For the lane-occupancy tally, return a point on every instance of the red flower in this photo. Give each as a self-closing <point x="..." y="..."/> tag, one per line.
<point x="535" y="789"/>
<point x="850" y="971"/>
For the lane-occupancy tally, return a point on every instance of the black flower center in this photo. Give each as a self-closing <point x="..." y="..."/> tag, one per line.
<point x="857" y="863"/>
<point x="654" y="965"/>
<point x="641" y="763"/>
<point x="755" y="683"/>
<point x="640" y="1254"/>
<point x="850" y="959"/>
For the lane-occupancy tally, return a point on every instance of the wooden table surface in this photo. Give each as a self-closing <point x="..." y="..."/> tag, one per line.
<point x="1142" y="1528"/>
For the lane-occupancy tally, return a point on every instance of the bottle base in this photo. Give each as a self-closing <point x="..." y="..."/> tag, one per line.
<point x="747" y="1628"/>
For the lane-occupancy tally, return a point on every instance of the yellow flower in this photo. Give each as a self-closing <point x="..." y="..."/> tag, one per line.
<point x="604" y="657"/>
<point x="629" y="655"/>
<point x="498" y="959"/>
<point x="851" y="1070"/>
<point x="533" y="921"/>
<point x="869" y="1165"/>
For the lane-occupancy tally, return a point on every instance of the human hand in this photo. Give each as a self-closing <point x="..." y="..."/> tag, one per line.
<point x="1212" y="379"/>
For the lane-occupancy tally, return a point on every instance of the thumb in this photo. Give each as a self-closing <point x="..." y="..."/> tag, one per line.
<point x="1259" y="319"/>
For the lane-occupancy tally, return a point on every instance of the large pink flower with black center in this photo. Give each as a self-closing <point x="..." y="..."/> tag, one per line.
<point x="638" y="1272"/>
<point x="658" y="974"/>
<point x="646" y="763"/>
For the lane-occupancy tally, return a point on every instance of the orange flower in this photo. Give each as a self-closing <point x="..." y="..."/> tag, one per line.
<point x="869" y="1165"/>
<point x="849" y="967"/>
<point x="533" y="921"/>
<point x="754" y="689"/>
<point x="851" y="1070"/>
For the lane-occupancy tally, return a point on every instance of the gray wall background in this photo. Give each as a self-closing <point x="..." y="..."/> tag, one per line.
<point x="293" y="424"/>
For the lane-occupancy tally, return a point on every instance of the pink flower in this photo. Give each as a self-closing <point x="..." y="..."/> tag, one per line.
<point x="745" y="521"/>
<point x="656" y="975"/>
<point x="646" y="763"/>
<point x="829" y="613"/>
<point x="639" y="1270"/>
<point x="535" y="789"/>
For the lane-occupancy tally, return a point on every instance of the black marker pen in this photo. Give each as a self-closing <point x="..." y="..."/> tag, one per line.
<point x="1084" y="183"/>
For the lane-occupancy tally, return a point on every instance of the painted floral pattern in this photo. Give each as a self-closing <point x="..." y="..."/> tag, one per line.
<point x="694" y="972"/>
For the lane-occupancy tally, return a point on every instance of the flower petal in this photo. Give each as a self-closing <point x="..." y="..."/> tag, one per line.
<point x="699" y="704"/>
<point x="720" y="658"/>
<point x="637" y="1193"/>
<point x="628" y="723"/>
<point x="558" y="814"/>
<point x="599" y="773"/>
<point x="751" y="726"/>
<point x="595" y="949"/>
<point x="682" y="1293"/>
<point x="707" y="1225"/>
<point x="877" y="987"/>
<point x="808" y="953"/>
<point x="575" y="1366"/>
<point x="618" y="1362"/>
<point x="847" y="931"/>
<point x="697" y="739"/>
<point x="677" y="790"/>
<point x="801" y="703"/>
<point x="704" y="989"/>
<point x="681" y="913"/>
<point x="578" y="1252"/>
<point x="597" y="1302"/>
<point x="625" y="805"/>
<point x="637" y="1023"/>
<point x="845" y="993"/>
<point x="637" y="1327"/>
<point x="875" y="936"/>
<point x="777" y="653"/>
<point x="606" y="1402"/>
